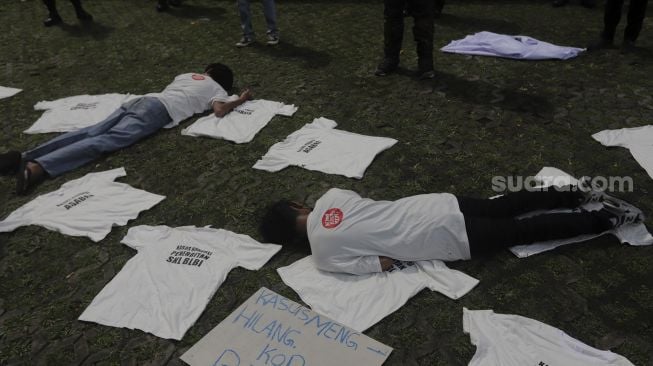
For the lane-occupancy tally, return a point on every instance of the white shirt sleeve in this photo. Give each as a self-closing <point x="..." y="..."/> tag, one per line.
<point x="250" y="254"/>
<point x="286" y="110"/>
<point x="322" y="123"/>
<point x="271" y="163"/>
<point x="354" y="265"/>
<point x="449" y="282"/>
<point x="139" y="237"/>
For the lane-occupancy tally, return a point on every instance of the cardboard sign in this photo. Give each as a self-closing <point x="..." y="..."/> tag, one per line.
<point x="269" y="329"/>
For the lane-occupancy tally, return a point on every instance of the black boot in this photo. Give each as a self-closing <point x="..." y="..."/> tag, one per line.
<point x="162" y="6"/>
<point x="10" y="162"/>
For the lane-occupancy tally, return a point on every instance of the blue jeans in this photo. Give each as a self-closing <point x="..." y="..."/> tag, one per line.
<point x="246" y="17"/>
<point x="130" y="123"/>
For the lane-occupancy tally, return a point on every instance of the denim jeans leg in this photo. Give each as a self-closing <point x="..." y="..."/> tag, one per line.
<point x="141" y="119"/>
<point x="270" y="17"/>
<point x="245" y="18"/>
<point x="74" y="136"/>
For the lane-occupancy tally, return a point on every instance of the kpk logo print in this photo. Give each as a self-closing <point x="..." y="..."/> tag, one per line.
<point x="332" y="218"/>
<point x="198" y="77"/>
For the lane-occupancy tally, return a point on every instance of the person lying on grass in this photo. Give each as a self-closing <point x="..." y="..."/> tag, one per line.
<point x="350" y="234"/>
<point x="135" y="120"/>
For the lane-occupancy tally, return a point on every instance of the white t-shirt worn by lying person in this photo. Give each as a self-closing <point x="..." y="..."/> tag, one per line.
<point x="189" y="94"/>
<point x="319" y="146"/>
<point x="348" y="233"/>
<point x="513" y="340"/>
<point x="165" y="287"/>
<point x="242" y="123"/>
<point x="88" y="206"/>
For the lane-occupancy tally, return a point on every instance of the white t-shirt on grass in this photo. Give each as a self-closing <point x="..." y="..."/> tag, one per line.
<point x="165" y="287"/>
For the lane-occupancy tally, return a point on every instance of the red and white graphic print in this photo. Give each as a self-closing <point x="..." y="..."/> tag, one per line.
<point x="198" y="77"/>
<point x="332" y="218"/>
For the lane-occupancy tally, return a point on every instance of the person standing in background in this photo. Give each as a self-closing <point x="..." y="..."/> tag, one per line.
<point x="423" y="13"/>
<point x="611" y="18"/>
<point x="246" y="23"/>
<point x="54" y="18"/>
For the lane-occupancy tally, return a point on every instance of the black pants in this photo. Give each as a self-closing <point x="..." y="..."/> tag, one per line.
<point x="636" y="14"/>
<point x="52" y="6"/>
<point x="423" y="11"/>
<point x="491" y="224"/>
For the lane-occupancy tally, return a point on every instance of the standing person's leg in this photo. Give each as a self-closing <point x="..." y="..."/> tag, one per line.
<point x="79" y="10"/>
<point x="490" y="235"/>
<point x="141" y="118"/>
<point x="53" y="15"/>
<point x="424" y="15"/>
<point x="636" y="15"/>
<point x="521" y="202"/>
<point x="393" y="35"/>
<point x="611" y="19"/>
<point x="245" y="23"/>
<point x="271" y="20"/>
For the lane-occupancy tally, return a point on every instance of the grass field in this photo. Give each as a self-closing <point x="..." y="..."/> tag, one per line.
<point x="481" y="117"/>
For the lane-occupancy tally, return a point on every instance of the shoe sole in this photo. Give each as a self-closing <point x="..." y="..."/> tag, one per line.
<point x="616" y="204"/>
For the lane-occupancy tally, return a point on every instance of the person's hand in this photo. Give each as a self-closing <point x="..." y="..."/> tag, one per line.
<point x="386" y="263"/>
<point x="246" y="95"/>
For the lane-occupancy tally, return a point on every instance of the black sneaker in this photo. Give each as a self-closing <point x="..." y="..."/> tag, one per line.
<point x="10" y="162"/>
<point x="84" y="16"/>
<point x="386" y="67"/>
<point x="628" y="47"/>
<point x="426" y="75"/>
<point x="52" y="20"/>
<point x="162" y="6"/>
<point x="601" y="44"/>
<point x="623" y="212"/>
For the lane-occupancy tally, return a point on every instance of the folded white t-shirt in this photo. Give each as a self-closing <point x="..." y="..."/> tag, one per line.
<point x="165" y="287"/>
<point x="634" y="234"/>
<point x="6" y="92"/>
<point x="88" y="206"/>
<point x="639" y="140"/>
<point x="242" y="123"/>
<point x="319" y="146"/>
<point x="76" y="112"/>
<point x="360" y="301"/>
<point x="515" y="47"/>
<point x="513" y="340"/>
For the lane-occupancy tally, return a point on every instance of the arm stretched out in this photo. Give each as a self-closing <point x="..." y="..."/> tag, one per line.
<point x="220" y="109"/>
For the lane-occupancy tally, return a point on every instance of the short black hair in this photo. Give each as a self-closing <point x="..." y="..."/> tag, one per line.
<point x="279" y="225"/>
<point x="221" y="74"/>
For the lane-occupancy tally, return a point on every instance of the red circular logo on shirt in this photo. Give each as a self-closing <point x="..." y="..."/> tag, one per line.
<point x="332" y="218"/>
<point x="198" y="77"/>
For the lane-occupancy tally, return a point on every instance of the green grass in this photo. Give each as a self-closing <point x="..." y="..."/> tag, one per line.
<point x="479" y="118"/>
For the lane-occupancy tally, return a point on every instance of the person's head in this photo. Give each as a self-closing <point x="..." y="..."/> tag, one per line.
<point x="285" y="223"/>
<point x="221" y="74"/>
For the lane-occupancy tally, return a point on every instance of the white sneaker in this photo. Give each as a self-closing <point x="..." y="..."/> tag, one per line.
<point x="623" y="212"/>
<point x="273" y="39"/>
<point x="244" y="42"/>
